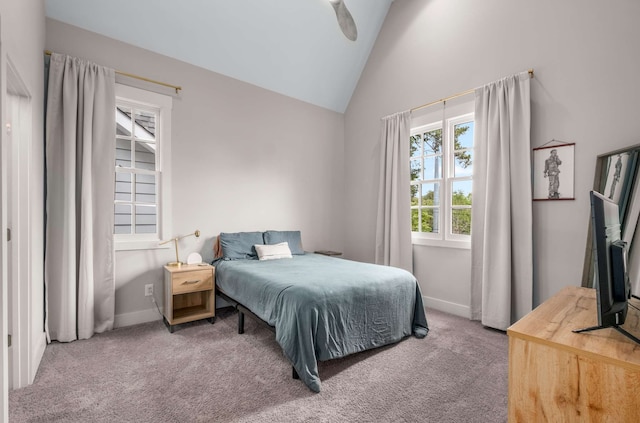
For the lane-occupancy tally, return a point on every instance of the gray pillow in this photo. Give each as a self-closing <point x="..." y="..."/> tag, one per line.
<point x="294" y="238"/>
<point x="239" y="245"/>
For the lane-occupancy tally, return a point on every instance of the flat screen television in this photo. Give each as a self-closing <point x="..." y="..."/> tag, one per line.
<point x="613" y="289"/>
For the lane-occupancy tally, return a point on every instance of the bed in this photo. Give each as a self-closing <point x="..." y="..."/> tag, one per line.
<point x="320" y="307"/>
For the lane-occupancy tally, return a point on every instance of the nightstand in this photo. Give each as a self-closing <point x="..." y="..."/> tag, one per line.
<point x="189" y="294"/>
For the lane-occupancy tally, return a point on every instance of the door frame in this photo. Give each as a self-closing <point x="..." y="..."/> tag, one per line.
<point x="4" y="353"/>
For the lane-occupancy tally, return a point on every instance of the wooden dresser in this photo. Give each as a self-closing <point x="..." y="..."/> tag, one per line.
<point x="556" y="375"/>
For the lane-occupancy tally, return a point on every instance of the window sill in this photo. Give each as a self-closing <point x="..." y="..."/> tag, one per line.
<point x="140" y="245"/>
<point x="429" y="242"/>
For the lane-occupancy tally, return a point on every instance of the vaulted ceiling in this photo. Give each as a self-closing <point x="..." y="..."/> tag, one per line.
<point x="293" y="47"/>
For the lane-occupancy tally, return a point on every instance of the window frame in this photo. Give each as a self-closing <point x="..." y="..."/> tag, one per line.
<point x="445" y="237"/>
<point x="162" y="105"/>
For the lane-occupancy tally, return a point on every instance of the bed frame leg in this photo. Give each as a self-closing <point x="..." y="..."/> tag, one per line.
<point x="240" y="322"/>
<point x="294" y="374"/>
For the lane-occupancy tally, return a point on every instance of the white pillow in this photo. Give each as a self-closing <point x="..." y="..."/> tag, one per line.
<point x="273" y="251"/>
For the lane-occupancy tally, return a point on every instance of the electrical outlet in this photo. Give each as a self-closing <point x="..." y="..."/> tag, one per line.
<point x="148" y="290"/>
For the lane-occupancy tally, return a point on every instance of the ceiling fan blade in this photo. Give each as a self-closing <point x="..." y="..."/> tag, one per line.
<point x="345" y="20"/>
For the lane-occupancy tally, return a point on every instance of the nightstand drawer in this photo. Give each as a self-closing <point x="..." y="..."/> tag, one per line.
<point x="198" y="280"/>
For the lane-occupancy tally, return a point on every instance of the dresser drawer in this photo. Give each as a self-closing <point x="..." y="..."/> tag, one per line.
<point x="193" y="281"/>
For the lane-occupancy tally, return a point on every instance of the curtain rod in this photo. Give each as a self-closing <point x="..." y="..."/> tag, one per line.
<point x="142" y="78"/>
<point x="451" y="97"/>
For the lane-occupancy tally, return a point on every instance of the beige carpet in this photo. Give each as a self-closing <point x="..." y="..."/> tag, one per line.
<point x="209" y="373"/>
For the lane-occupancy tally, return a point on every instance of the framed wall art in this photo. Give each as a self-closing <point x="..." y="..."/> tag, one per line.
<point x="553" y="172"/>
<point x="619" y="172"/>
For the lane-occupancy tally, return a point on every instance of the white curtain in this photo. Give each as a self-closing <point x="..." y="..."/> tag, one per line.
<point x="502" y="240"/>
<point x="393" y="229"/>
<point x="80" y="154"/>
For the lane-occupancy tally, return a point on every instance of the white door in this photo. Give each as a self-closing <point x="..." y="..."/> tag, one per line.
<point x="17" y="127"/>
<point x="10" y="266"/>
<point x="17" y="254"/>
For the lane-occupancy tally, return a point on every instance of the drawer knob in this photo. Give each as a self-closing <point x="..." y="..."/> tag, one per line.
<point x="190" y="282"/>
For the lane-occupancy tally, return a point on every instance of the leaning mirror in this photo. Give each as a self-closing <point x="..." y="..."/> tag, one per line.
<point x="616" y="176"/>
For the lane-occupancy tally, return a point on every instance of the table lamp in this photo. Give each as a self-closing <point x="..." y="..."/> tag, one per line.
<point x="178" y="263"/>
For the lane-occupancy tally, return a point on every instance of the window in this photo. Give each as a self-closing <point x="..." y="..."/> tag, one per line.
<point x="441" y="166"/>
<point x="142" y="168"/>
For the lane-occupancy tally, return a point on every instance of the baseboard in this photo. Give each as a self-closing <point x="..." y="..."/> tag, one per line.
<point x="136" y="317"/>
<point x="149" y="315"/>
<point x="447" y="307"/>
<point x="40" y="345"/>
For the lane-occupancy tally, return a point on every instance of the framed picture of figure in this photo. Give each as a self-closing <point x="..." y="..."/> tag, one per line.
<point x="553" y="172"/>
<point x="617" y="174"/>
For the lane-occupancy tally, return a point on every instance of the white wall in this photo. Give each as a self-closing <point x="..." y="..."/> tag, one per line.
<point x="244" y="159"/>
<point x="586" y="90"/>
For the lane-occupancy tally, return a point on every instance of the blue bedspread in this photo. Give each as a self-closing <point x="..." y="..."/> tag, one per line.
<point x="324" y="307"/>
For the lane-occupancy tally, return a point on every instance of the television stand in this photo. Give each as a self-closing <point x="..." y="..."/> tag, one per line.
<point x="557" y="375"/>
<point x="616" y="327"/>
